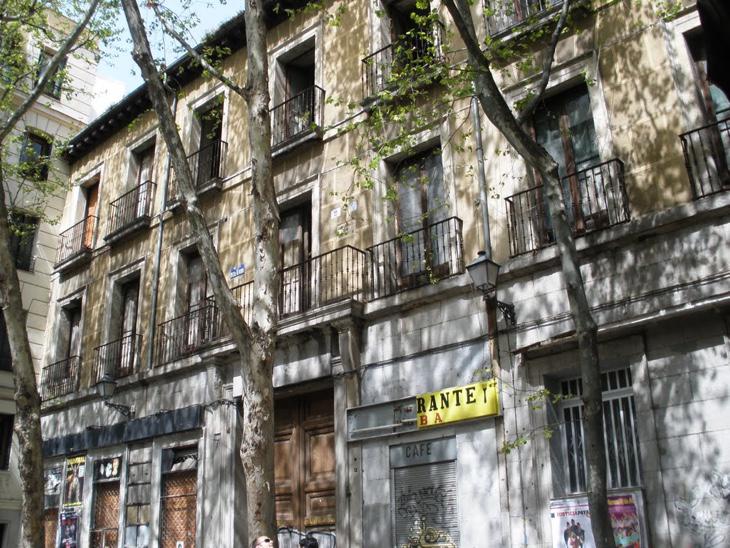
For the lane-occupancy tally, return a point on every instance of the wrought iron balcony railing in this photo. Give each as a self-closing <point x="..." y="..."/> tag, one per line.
<point x="131" y="207"/>
<point x="206" y="166"/>
<point x="418" y="258"/>
<point x="504" y="15"/>
<point x="707" y="156"/>
<point x="189" y="333"/>
<point x="118" y="358"/>
<point x="594" y="198"/>
<point x="416" y="50"/>
<point x="330" y="277"/>
<point x="296" y="117"/>
<point x="76" y="240"/>
<point x="60" y="378"/>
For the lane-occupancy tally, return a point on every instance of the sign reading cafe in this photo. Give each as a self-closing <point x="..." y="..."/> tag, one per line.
<point x="459" y="403"/>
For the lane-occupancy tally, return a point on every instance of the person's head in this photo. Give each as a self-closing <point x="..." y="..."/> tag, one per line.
<point x="262" y="542"/>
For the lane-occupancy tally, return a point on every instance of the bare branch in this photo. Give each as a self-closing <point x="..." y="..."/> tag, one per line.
<point x="49" y="72"/>
<point x="200" y="59"/>
<point x="547" y="64"/>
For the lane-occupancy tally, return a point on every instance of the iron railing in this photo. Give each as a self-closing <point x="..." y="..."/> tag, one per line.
<point x="130" y="207"/>
<point x="118" y="358"/>
<point x="416" y="48"/>
<point x="77" y="239"/>
<point x="594" y="198"/>
<point x="297" y="116"/>
<point x="60" y="378"/>
<point x="330" y="277"/>
<point x="418" y="258"/>
<point x="503" y="15"/>
<point x="206" y="167"/>
<point x="189" y="333"/>
<point x="707" y="157"/>
<point x="244" y="296"/>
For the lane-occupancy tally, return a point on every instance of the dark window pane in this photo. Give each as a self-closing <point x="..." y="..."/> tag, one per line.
<point x="22" y="237"/>
<point x="6" y="363"/>
<point x="6" y="440"/>
<point x="34" y="157"/>
<point x="55" y="82"/>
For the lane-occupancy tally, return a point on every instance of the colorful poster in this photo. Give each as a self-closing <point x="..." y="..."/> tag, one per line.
<point x="74" y="483"/>
<point x="69" y="522"/>
<point x="571" y="522"/>
<point x="108" y="469"/>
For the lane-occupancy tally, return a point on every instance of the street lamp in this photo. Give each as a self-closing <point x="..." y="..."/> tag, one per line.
<point x="105" y="388"/>
<point x="483" y="272"/>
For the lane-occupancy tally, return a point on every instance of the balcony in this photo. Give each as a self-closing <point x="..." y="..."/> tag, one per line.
<point x="75" y="244"/>
<point x="131" y="212"/>
<point x="595" y="198"/>
<point x="414" y="51"/>
<point x="297" y="119"/>
<point x="60" y="378"/>
<point x="504" y="15"/>
<point x="207" y="169"/>
<point x="190" y="333"/>
<point x="118" y="358"/>
<point x="418" y="258"/>
<point x="707" y="156"/>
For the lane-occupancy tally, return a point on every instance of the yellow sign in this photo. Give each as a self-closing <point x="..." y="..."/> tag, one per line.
<point x="456" y="404"/>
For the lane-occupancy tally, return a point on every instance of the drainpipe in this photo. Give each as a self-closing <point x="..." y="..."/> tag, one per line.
<point x="158" y="253"/>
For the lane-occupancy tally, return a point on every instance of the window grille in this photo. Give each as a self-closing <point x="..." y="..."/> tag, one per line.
<point x="619" y="434"/>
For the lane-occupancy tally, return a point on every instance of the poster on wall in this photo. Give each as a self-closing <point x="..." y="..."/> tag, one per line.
<point x="571" y="521"/>
<point x="74" y="483"/>
<point x="69" y="522"/>
<point x="52" y="481"/>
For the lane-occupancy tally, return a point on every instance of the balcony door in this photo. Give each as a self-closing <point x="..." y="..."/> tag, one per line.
<point x="145" y="165"/>
<point x="564" y="127"/>
<point x="128" y="327"/>
<point x="197" y="328"/>
<point x="92" y="204"/>
<point x="298" y="115"/>
<point x="295" y="249"/>
<point x="422" y="204"/>
<point x="207" y="162"/>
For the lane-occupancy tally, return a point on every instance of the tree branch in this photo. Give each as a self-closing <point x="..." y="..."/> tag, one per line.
<point x="200" y="59"/>
<point x="547" y="65"/>
<point x="50" y="71"/>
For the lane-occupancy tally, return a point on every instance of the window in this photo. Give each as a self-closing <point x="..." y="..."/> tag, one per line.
<point x="422" y="205"/>
<point x="22" y="238"/>
<point x="178" y="520"/>
<point x="61" y="377"/>
<point x="118" y="357"/>
<point x="6" y="440"/>
<point x="620" y="433"/>
<point x="105" y="524"/>
<point x="55" y="82"/>
<point x="715" y="103"/>
<point x="6" y="357"/>
<point x="35" y="157"/>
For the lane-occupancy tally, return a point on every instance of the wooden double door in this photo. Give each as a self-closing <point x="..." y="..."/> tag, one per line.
<point x="305" y="461"/>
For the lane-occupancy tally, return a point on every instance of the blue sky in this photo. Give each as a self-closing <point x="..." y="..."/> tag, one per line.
<point x="117" y="73"/>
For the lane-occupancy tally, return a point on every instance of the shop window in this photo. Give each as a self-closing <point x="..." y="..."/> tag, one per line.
<point x="422" y="207"/>
<point x="620" y="433"/>
<point x="304" y="454"/>
<point x="22" y="239"/>
<point x="105" y="513"/>
<point x="424" y="494"/>
<point x="6" y="440"/>
<point x="35" y="156"/>
<point x="178" y="502"/>
<point x="138" y="507"/>
<point x="54" y="87"/>
<point x="53" y="482"/>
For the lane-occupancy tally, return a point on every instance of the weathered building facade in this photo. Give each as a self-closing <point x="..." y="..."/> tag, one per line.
<point x="371" y="319"/>
<point x="61" y="111"/>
